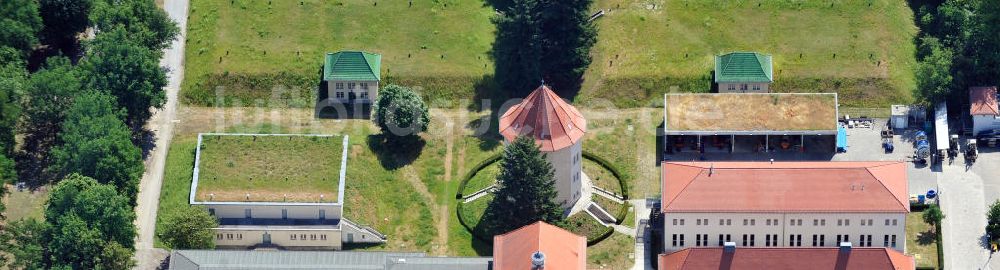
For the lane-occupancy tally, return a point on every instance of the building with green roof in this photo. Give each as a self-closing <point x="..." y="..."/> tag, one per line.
<point x="743" y="72"/>
<point x="351" y="77"/>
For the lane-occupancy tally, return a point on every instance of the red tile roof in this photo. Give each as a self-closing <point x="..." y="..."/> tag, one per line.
<point x="983" y="101"/>
<point x="786" y="259"/>
<point x="810" y="187"/>
<point x="563" y="250"/>
<point x="544" y="116"/>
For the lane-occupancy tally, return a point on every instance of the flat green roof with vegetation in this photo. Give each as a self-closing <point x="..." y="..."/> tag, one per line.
<point x="270" y="168"/>
<point x="743" y="67"/>
<point x="352" y="66"/>
<point x="750" y="112"/>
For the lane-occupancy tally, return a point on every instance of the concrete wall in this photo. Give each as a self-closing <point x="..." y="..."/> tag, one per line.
<point x="372" y="91"/>
<point x="567" y="163"/>
<point x="230" y="237"/>
<point x="982" y="123"/>
<point x="736" y="87"/>
<point x="785" y="226"/>
<point x="275" y="211"/>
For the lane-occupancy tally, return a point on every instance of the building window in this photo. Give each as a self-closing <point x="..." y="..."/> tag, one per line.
<point x="218" y="236"/>
<point x="746" y="222"/>
<point x="767" y="239"/>
<point x="674" y="243"/>
<point x="822" y="222"/>
<point x="682" y="222"/>
<point x="768" y="222"/>
<point x="847" y="222"/>
<point x="795" y="240"/>
<point x="340" y="85"/>
<point x="756" y="86"/>
<point x="682" y="239"/>
<point x="239" y="236"/>
<point x="721" y="242"/>
<point x="871" y="222"/>
<point x="364" y="95"/>
<point x="340" y="94"/>
<point x="840" y="222"/>
<point x="722" y="222"/>
<point x="893" y="240"/>
<point x="697" y="238"/>
<point x="292" y="236"/>
<point x="745" y="237"/>
<point x="312" y="237"/>
<point x="885" y="239"/>
<point x="364" y="85"/>
<point x="865" y="240"/>
<point x="302" y="236"/>
<point x="229" y="236"/>
<point x="729" y="222"/>
<point x="815" y="240"/>
<point x="675" y="222"/>
<point x="752" y="241"/>
<point x="822" y="240"/>
<point x="699" y="222"/>
<point x="732" y="87"/>
<point x="893" y="222"/>
<point x="815" y="222"/>
<point x="743" y="87"/>
<point x="351" y="86"/>
<point x="887" y="224"/>
<point x="322" y="237"/>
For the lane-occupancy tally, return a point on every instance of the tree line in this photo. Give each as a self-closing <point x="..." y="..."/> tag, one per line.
<point x="958" y="47"/>
<point x="79" y="115"/>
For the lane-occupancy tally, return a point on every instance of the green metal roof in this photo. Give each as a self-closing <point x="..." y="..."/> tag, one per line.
<point x="743" y="67"/>
<point x="352" y="66"/>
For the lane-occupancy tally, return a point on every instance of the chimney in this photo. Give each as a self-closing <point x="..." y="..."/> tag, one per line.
<point x="772" y="161"/>
<point x="729" y="248"/>
<point x="845" y="247"/>
<point x="711" y="169"/>
<point x="538" y="260"/>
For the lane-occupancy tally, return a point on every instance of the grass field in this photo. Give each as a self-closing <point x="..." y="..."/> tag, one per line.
<point x="921" y="240"/>
<point x="25" y="204"/>
<point x="648" y="47"/>
<point x="726" y="112"/>
<point x="645" y="47"/>
<point x="250" y="46"/>
<point x="270" y="168"/>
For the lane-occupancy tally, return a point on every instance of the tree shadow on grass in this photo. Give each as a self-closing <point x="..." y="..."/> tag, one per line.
<point x="396" y="152"/>
<point x="926" y="238"/>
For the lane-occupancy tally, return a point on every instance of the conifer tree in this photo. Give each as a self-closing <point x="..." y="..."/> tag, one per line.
<point x="525" y="190"/>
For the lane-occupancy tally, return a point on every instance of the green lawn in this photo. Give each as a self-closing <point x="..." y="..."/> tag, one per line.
<point x="250" y="46"/>
<point x="25" y="204"/>
<point x="921" y="240"/>
<point x="270" y="168"/>
<point x="648" y="47"/>
<point x="484" y="178"/>
<point x="612" y="253"/>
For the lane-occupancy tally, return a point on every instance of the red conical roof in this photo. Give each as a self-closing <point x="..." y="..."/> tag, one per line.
<point x="548" y="119"/>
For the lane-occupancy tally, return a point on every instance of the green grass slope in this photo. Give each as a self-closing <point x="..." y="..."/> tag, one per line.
<point x="248" y="47"/>
<point x="648" y="47"/>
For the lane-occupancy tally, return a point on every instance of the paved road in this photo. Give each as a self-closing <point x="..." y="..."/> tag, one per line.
<point x="162" y="124"/>
<point x="964" y="226"/>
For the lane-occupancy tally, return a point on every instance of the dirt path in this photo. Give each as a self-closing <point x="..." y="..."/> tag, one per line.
<point x="442" y="224"/>
<point x="162" y="123"/>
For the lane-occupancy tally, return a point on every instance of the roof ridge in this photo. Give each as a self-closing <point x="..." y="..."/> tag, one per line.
<point x="887" y="189"/>
<point x="368" y="64"/>
<point x="563" y="108"/>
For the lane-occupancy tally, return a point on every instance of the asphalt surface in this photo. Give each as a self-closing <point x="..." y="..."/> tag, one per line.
<point x="162" y="124"/>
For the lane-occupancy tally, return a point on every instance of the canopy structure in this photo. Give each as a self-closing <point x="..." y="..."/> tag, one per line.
<point x="941" y="126"/>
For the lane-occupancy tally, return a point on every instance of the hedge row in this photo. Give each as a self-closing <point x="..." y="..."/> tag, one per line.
<point x="475" y="169"/>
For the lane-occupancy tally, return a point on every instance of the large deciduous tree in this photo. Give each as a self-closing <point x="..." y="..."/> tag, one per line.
<point x="400" y="112"/>
<point x="525" y="190"/>
<point x="64" y="19"/>
<point x="129" y="72"/>
<point x="19" y="24"/>
<point x="13" y="82"/>
<point x="188" y="228"/>
<point x="49" y="95"/>
<point x="517" y="49"/>
<point x="145" y="23"/>
<point x="97" y="144"/>
<point x="24" y="242"/>
<point x="91" y="225"/>
<point x="934" y="79"/>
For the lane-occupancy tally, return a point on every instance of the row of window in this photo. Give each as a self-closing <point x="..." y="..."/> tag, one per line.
<point x="794" y="240"/>
<point x="322" y="237"/>
<point x="362" y="95"/>
<point x="791" y="222"/>
<point x="743" y="87"/>
<point x="351" y="85"/>
<point x="229" y="236"/>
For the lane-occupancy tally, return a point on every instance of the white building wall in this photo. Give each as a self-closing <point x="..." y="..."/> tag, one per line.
<point x="275" y="211"/>
<point x="567" y="164"/>
<point x="230" y="237"/>
<point x="784" y="225"/>
<point x="737" y="87"/>
<point x="982" y="123"/>
<point x="372" y="91"/>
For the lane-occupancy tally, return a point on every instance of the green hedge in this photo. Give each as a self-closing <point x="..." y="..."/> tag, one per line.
<point x="475" y="169"/>
<point x="940" y="245"/>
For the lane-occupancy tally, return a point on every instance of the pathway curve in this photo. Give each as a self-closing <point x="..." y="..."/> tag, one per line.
<point x="162" y="124"/>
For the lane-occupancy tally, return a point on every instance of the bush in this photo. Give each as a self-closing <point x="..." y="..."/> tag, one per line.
<point x="188" y="228"/>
